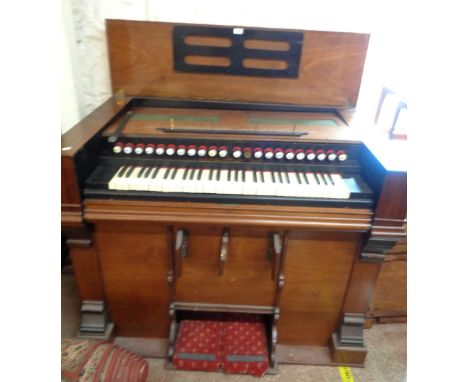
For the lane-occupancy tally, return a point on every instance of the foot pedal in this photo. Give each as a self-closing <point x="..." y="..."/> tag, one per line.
<point x="198" y="345"/>
<point x="236" y="344"/>
<point x="245" y="349"/>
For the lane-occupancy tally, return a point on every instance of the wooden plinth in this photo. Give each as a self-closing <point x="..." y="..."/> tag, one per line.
<point x="346" y="355"/>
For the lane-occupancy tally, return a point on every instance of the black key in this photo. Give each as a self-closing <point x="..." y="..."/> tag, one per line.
<point x="155" y="173"/>
<point x="200" y="170"/>
<point x="218" y="175"/>
<point x="261" y="177"/>
<point x="287" y="177"/>
<point x="298" y="178"/>
<point x="121" y="171"/>
<point x="236" y="175"/>
<point x="273" y="176"/>
<point x="146" y="172"/>
<point x="324" y="179"/>
<point x="280" y="178"/>
<point x="330" y="179"/>
<point x="317" y="179"/>
<point x="305" y="177"/>
<point x="229" y="175"/>
<point x="129" y="171"/>
<point x="174" y="172"/>
<point x="243" y="176"/>
<point x="192" y="173"/>
<point x="254" y="176"/>
<point x="140" y="173"/>
<point x="166" y="174"/>
<point x="186" y="172"/>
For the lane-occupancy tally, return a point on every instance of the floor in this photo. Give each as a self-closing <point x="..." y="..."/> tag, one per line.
<point x="386" y="358"/>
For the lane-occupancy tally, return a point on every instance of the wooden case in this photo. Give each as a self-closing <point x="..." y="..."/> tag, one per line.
<point x="310" y="270"/>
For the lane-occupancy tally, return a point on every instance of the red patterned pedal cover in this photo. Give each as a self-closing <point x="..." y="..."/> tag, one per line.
<point x="198" y="345"/>
<point x="245" y="349"/>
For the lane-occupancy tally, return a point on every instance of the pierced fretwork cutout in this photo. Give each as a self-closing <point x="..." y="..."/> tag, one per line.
<point x="237" y="51"/>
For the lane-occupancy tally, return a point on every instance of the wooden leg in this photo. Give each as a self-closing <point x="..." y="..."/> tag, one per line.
<point x="94" y="319"/>
<point x="347" y="345"/>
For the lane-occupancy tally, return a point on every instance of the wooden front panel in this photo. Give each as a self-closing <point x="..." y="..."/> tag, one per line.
<point x="246" y="278"/>
<point x="141" y="61"/>
<point x="317" y="270"/>
<point x="134" y="266"/>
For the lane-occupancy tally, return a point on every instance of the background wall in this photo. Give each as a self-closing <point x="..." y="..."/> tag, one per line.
<point x="85" y="70"/>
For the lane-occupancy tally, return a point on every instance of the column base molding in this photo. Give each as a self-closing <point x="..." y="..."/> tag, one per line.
<point x="94" y="321"/>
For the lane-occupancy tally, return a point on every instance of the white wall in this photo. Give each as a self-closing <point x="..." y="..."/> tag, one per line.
<point x="85" y="71"/>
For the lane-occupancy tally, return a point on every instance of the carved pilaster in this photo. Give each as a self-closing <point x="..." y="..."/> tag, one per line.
<point x="94" y="320"/>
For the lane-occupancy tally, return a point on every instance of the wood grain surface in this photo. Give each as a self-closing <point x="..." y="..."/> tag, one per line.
<point x="141" y="61"/>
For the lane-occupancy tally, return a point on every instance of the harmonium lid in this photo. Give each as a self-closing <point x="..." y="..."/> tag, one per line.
<point x="243" y="64"/>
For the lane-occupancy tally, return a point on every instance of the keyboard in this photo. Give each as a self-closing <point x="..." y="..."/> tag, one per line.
<point x="229" y="184"/>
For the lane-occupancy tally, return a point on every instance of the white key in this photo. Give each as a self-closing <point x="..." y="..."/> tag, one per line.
<point x="141" y="183"/>
<point x="232" y="187"/>
<point x="187" y="184"/>
<point x="269" y="187"/>
<point x="127" y="180"/>
<point x="133" y="180"/>
<point x="205" y="178"/>
<point x="294" y="185"/>
<point x="178" y="180"/>
<point x="213" y="182"/>
<point x="285" y="187"/>
<point x="240" y="182"/>
<point x="323" y="186"/>
<point x="168" y="185"/>
<point x="197" y="184"/>
<point x="222" y="185"/>
<point x="149" y="178"/>
<point x="159" y="180"/>
<point x="276" y="177"/>
<point x="315" y="190"/>
<point x="111" y="184"/>
<point x="306" y="188"/>
<point x="154" y="181"/>
<point x="249" y="186"/>
<point x="262" y="188"/>
<point x="342" y="191"/>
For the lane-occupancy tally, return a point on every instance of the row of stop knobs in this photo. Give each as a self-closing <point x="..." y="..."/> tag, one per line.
<point x="222" y="152"/>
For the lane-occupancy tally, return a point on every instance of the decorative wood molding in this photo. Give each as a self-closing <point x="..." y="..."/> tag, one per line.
<point x="382" y="239"/>
<point x="223" y="254"/>
<point x="274" y="340"/>
<point x="172" y="334"/>
<point x="350" y="332"/>
<point x="228" y="308"/>
<point x="332" y="219"/>
<point x="180" y="251"/>
<point x="84" y="243"/>
<point x="376" y="247"/>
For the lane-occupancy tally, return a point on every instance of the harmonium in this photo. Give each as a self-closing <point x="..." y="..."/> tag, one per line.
<point x="220" y="209"/>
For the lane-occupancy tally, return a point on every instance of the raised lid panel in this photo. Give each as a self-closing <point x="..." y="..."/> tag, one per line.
<point x="330" y="66"/>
